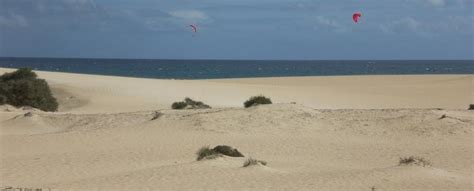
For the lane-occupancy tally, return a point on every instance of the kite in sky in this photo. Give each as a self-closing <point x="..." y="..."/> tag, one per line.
<point x="194" y="27"/>
<point x="356" y="16"/>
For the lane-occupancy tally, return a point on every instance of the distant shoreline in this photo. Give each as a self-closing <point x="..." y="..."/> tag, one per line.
<point x="250" y="77"/>
<point x="207" y="59"/>
<point x="228" y="69"/>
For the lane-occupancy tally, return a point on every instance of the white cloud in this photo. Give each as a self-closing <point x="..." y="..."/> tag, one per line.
<point x="159" y="20"/>
<point x="189" y="15"/>
<point x="430" y="28"/>
<point x="329" y="24"/>
<point x="437" y="3"/>
<point x="458" y="24"/>
<point x="403" y="25"/>
<point x="13" y="20"/>
<point x="79" y="5"/>
<point x="429" y="3"/>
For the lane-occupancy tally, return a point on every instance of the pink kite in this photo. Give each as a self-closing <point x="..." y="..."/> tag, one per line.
<point x="356" y="16"/>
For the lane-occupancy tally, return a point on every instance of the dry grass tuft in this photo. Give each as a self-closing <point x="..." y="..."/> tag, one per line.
<point x="253" y="162"/>
<point x="207" y="153"/>
<point x="413" y="160"/>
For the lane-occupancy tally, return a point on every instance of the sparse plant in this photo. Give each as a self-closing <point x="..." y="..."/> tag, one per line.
<point x="207" y="153"/>
<point x="188" y="103"/>
<point x="156" y="115"/>
<point x="257" y="100"/>
<point x="228" y="151"/>
<point x="178" y="105"/>
<point x="253" y="162"/>
<point x="196" y="104"/>
<point x="19" y="74"/>
<point x="471" y="107"/>
<point x="413" y="160"/>
<point x="23" y="88"/>
<point x="3" y="99"/>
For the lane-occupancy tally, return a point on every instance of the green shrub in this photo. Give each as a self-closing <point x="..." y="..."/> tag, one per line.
<point x="3" y="100"/>
<point x="3" y="94"/>
<point x="178" y="105"/>
<point x="21" y="73"/>
<point x="22" y="88"/>
<point x="252" y="162"/>
<point x="412" y="160"/>
<point x="257" y="100"/>
<point x="228" y="151"/>
<point x="196" y="104"/>
<point x="188" y="103"/>
<point x="207" y="153"/>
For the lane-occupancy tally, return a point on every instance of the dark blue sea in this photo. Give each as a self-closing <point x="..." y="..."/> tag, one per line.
<point x="211" y="69"/>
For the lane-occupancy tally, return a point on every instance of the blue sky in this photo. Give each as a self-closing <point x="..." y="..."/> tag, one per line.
<point x="238" y="29"/>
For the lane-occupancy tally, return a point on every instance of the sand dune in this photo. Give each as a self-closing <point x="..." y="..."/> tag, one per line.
<point x="95" y="94"/>
<point x="336" y="137"/>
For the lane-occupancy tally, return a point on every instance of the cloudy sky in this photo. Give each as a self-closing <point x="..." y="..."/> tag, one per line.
<point x="238" y="29"/>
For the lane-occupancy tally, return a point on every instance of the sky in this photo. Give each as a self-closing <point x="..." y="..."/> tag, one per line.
<point x="238" y="29"/>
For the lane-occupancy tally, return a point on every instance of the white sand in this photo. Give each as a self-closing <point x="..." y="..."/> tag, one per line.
<point x="343" y="133"/>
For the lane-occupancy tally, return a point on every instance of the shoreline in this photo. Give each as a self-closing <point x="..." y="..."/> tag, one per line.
<point x="232" y="78"/>
<point x="219" y="69"/>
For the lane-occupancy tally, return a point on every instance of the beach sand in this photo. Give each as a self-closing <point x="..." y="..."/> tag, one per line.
<point x="321" y="133"/>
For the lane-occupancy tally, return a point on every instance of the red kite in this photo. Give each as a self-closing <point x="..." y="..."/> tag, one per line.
<point x="356" y="16"/>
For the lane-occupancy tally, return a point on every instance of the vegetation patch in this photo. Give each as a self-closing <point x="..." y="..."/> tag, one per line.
<point x="23" y="88"/>
<point x="413" y="160"/>
<point x="207" y="153"/>
<point x="156" y="115"/>
<point x="228" y="151"/>
<point x="471" y="107"/>
<point x="257" y="100"/>
<point x="253" y="162"/>
<point x="188" y="103"/>
<point x="443" y="116"/>
<point x="222" y="150"/>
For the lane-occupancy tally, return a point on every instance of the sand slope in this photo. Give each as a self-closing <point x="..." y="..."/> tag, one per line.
<point x="304" y="148"/>
<point x="105" y="139"/>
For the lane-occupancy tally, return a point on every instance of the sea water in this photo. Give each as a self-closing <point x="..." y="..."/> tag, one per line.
<point x="212" y="69"/>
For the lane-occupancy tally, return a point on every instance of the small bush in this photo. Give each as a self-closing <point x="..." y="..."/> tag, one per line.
<point x="471" y="107"/>
<point x="22" y="73"/>
<point x="156" y="115"/>
<point x="257" y="100"/>
<point x="188" y="103"/>
<point x="207" y="153"/>
<point x="178" y="105"/>
<point x="412" y="160"/>
<point x="22" y="88"/>
<point x="196" y="104"/>
<point x="227" y="151"/>
<point x="3" y="99"/>
<point x="252" y="162"/>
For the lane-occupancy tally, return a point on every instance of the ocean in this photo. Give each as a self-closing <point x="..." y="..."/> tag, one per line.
<point x="212" y="69"/>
